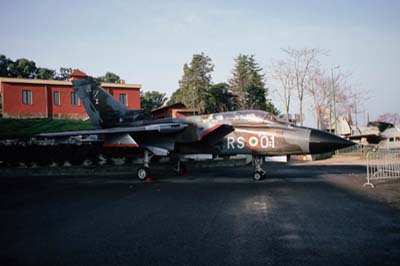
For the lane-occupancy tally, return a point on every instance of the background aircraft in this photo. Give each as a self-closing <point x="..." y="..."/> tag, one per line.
<point x="382" y="134"/>
<point x="252" y="132"/>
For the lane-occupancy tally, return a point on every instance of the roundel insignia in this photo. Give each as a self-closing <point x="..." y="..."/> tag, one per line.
<point x="253" y="142"/>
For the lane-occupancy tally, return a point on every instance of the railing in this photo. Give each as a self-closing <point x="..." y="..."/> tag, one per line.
<point x="382" y="164"/>
<point x="356" y="150"/>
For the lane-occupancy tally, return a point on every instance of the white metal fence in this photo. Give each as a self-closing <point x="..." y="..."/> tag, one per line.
<point x="356" y="150"/>
<point x="382" y="164"/>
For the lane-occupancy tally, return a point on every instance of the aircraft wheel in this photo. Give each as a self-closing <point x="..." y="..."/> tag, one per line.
<point x="258" y="176"/>
<point x="143" y="173"/>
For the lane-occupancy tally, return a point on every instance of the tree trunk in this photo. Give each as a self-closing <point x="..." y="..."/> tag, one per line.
<point x="287" y="113"/>
<point x="301" y="111"/>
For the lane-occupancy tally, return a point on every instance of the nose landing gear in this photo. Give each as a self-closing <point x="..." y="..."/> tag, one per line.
<point x="259" y="173"/>
<point x="144" y="172"/>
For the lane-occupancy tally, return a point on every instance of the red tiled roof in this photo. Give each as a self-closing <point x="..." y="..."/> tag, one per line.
<point x="77" y="74"/>
<point x="171" y="106"/>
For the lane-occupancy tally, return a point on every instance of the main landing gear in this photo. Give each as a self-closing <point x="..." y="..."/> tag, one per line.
<point x="259" y="173"/>
<point x="180" y="169"/>
<point x="144" y="172"/>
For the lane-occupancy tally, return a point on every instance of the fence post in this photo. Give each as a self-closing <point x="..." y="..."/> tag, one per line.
<point x="382" y="164"/>
<point x="368" y="172"/>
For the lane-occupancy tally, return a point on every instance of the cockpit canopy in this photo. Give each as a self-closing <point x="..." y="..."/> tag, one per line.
<point x="256" y="116"/>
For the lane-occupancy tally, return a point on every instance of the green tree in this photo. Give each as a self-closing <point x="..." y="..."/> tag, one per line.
<point x="239" y="81"/>
<point x="219" y="98"/>
<point x="255" y="97"/>
<point x="247" y="85"/>
<point x="65" y="73"/>
<point x="109" y="77"/>
<point x="23" y="68"/>
<point x="45" y="73"/>
<point x="150" y="100"/>
<point x="270" y="107"/>
<point x="195" y="82"/>
<point x="5" y="64"/>
<point x="176" y="97"/>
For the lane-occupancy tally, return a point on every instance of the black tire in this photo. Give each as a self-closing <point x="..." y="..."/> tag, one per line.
<point x="257" y="176"/>
<point x="143" y="173"/>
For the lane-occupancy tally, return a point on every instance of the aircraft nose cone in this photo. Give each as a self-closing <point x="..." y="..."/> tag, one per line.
<point x="321" y="141"/>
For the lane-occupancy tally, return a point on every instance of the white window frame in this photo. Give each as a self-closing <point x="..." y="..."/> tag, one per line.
<point x="29" y="93"/>
<point x="58" y="103"/>
<point x="74" y="95"/>
<point x="126" y="99"/>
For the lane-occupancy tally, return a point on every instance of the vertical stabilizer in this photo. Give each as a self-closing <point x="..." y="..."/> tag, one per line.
<point x="103" y="109"/>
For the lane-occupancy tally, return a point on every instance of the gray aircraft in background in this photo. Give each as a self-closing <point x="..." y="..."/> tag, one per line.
<point x="252" y="132"/>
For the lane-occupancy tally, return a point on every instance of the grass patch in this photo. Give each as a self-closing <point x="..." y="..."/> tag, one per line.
<point x="25" y="128"/>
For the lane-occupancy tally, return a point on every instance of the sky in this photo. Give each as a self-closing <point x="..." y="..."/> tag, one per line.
<point x="148" y="42"/>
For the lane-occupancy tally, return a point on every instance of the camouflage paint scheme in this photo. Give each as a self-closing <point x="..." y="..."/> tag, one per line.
<point x="254" y="132"/>
<point x="240" y="132"/>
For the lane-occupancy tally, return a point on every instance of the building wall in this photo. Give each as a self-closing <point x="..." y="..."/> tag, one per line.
<point x="65" y="110"/>
<point x="162" y="113"/>
<point x="12" y="101"/>
<point x="133" y="96"/>
<point x="172" y="112"/>
<point x="43" y="105"/>
<point x="178" y="113"/>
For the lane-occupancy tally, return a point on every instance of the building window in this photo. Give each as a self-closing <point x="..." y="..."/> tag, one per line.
<point x="74" y="98"/>
<point x="397" y="139"/>
<point x="27" y="97"/>
<point x="391" y="139"/>
<point x="56" y="98"/>
<point x="123" y="99"/>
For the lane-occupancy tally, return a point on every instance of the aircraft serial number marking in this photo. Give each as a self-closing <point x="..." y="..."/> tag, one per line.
<point x="252" y="142"/>
<point x="95" y="96"/>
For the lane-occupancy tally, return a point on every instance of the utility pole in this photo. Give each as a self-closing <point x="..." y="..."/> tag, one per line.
<point x="355" y="110"/>
<point x="330" y="118"/>
<point x="334" y="98"/>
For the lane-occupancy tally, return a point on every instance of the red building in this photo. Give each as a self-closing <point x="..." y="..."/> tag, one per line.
<point x="175" y="110"/>
<point x="34" y="98"/>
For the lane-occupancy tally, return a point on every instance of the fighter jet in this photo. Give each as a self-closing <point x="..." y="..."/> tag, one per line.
<point x="252" y="132"/>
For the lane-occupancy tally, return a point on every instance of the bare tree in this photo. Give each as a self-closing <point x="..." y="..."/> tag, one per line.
<point x="332" y="96"/>
<point x="283" y="73"/>
<point x="339" y="97"/>
<point x="318" y="88"/>
<point x="357" y="98"/>
<point x="301" y="62"/>
<point x="348" y="99"/>
<point x="328" y="88"/>
<point x="393" y="118"/>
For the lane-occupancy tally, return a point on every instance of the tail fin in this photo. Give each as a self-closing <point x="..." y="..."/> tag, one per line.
<point x="103" y="109"/>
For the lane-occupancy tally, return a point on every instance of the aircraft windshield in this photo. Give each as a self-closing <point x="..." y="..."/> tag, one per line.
<point x="256" y="115"/>
<point x="247" y="115"/>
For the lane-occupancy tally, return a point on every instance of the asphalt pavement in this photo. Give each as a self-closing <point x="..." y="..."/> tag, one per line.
<point x="299" y="215"/>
